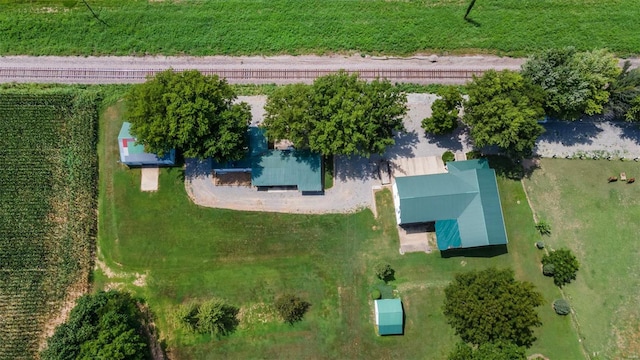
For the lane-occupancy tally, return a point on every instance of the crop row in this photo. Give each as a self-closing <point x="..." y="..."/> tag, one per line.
<point x="47" y="208"/>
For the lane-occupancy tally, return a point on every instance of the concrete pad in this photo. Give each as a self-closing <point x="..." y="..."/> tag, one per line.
<point x="149" y="180"/>
<point x="425" y="165"/>
<point x="414" y="238"/>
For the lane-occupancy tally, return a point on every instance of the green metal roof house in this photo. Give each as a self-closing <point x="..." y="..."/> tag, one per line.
<point x="389" y="316"/>
<point x="464" y="203"/>
<point x="132" y="153"/>
<point x="277" y="168"/>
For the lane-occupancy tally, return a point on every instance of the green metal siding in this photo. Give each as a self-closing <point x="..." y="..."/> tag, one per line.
<point x="390" y="316"/>
<point x="468" y="195"/>
<point x="288" y="168"/>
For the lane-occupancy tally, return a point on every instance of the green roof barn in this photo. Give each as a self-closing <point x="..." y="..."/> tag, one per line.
<point x="389" y="316"/>
<point x="277" y="168"/>
<point x="464" y="203"/>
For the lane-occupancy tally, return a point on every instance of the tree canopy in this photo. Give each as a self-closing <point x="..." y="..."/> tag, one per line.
<point x="503" y="109"/>
<point x="490" y="305"/>
<point x="191" y="112"/>
<point x="105" y="325"/>
<point x="444" y="113"/>
<point x="575" y="82"/>
<point x="565" y="266"/>
<point x="338" y="115"/>
<point x="624" y="94"/>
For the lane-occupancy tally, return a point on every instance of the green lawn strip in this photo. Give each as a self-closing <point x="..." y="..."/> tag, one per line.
<point x="241" y="27"/>
<point x="598" y="222"/>
<point x="327" y="164"/>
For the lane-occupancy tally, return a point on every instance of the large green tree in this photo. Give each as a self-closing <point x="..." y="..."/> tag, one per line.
<point x="624" y="94"/>
<point x="444" y="113"/>
<point x="575" y="82"/>
<point x="105" y="325"/>
<point x="339" y="114"/>
<point x="191" y="112"/>
<point x="503" y="109"/>
<point x="490" y="305"/>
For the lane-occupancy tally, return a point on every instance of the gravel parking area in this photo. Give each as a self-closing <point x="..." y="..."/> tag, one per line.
<point x="355" y="177"/>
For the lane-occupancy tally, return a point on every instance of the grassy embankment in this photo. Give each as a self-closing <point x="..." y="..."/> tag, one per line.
<point x="178" y="251"/>
<point x="241" y="27"/>
<point x="599" y="223"/>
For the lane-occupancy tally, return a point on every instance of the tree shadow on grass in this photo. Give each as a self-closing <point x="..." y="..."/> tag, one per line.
<point x="482" y="251"/>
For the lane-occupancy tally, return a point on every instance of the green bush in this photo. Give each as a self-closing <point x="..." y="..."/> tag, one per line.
<point x="375" y="294"/>
<point x="448" y="156"/>
<point x="565" y="266"/>
<point x="384" y="272"/>
<point x="540" y="245"/>
<point x="291" y="307"/>
<point x="543" y="227"/>
<point x="474" y="154"/>
<point x="444" y="113"/>
<point x="548" y="269"/>
<point x="213" y="317"/>
<point x="562" y="307"/>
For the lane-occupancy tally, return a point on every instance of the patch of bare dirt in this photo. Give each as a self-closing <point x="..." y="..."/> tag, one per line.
<point x="232" y="179"/>
<point x="73" y="293"/>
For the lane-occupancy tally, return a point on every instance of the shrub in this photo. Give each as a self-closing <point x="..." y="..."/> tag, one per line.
<point x="562" y="307"/>
<point x="187" y="315"/>
<point x="548" y="269"/>
<point x="213" y="317"/>
<point x="448" y="156"/>
<point x="540" y="245"/>
<point x="291" y="307"/>
<point x="474" y="154"/>
<point x="543" y="227"/>
<point x="375" y="294"/>
<point x="444" y="113"/>
<point x="384" y="272"/>
<point x="565" y="266"/>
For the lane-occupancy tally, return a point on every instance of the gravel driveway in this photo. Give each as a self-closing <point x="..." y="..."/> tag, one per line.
<point x="356" y="177"/>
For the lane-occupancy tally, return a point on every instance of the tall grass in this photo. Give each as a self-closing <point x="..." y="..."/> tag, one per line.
<point x="235" y="27"/>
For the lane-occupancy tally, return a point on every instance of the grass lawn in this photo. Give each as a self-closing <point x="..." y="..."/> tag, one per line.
<point x="599" y="223"/>
<point x="258" y="27"/>
<point x="178" y="251"/>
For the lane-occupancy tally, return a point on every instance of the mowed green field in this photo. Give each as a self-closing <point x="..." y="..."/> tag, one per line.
<point x="47" y="210"/>
<point x="261" y="27"/>
<point x="600" y="223"/>
<point x="163" y="247"/>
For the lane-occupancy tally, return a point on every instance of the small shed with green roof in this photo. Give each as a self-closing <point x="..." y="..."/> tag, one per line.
<point x="389" y="316"/>
<point x="132" y="153"/>
<point x="464" y="204"/>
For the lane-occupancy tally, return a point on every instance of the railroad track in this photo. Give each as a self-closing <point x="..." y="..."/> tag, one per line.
<point x="77" y="75"/>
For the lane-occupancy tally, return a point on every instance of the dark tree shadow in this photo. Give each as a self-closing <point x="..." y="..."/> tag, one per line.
<point x="629" y="130"/>
<point x="482" y="251"/>
<point x="403" y="148"/>
<point x="195" y="167"/>
<point x="570" y="133"/>
<point x="451" y="141"/>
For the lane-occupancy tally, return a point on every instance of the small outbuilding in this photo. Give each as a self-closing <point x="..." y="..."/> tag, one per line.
<point x="389" y="316"/>
<point x="133" y="154"/>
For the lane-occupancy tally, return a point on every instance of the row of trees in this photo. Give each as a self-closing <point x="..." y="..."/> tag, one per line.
<point x="338" y="114"/>
<point x="503" y="108"/>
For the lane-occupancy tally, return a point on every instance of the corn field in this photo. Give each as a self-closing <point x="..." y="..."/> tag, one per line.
<point x="48" y="182"/>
